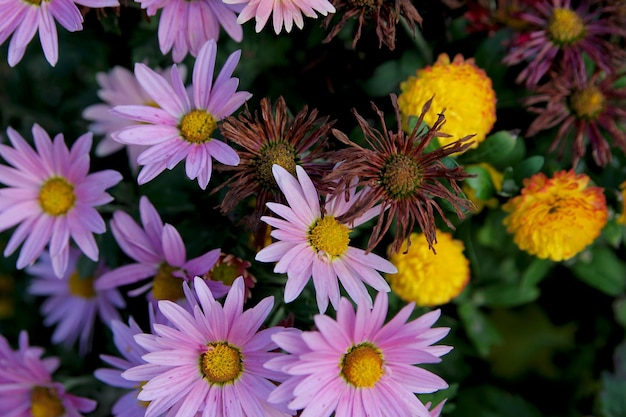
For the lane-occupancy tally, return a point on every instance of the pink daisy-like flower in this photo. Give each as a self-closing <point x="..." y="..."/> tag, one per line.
<point x="23" y="18"/>
<point x="118" y="87"/>
<point x="185" y="26"/>
<point x="211" y="361"/>
<point x="27" y="388"/>
<point x="285" y="12"/>
<point x="176" y="129"/>
<point x="160" y="253"/>
<point x="123" y="336"/>
<point x="51" y="197"/>
<point x="313" y="243"/>
<point x="357" y="365"/>
<point x="73" y="303"/>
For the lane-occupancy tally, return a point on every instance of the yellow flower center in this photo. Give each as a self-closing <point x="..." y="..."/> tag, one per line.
<point x="362" y="365"/>
<point x="81" y="287"/>
<point x="166" y="286"/>
<point x="329" y="237"/>
<point x="587" y="103"/>
<point x="197" y="126"/>
<point x="565" y="26"/>
<point x="44" y="402"/>
<point x="400" y="176"/>
<point x="56" y="196"/>
<point x="279" y="153"/>
<point x="221" y="364"/>
<point x="225" y="273"/>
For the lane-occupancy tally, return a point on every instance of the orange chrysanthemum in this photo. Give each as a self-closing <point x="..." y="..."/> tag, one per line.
<point x="426" y="278"/>
<point x="556" y="217"/>
<point x="459" y="87"/>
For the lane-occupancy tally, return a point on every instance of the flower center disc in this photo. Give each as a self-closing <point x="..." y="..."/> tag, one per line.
<point x="166" y="286"/>
<point x="279" y="153"/>
<point x="400" y="176"/>
<point x="81" y="287"/>
<point x="45" y="403"/>
<point x="362" y="365"/>
<point x="197" y="126"/>
<point x="56" y="196"/>
<point x="329" y="236"/>
<point x="565" y="26"/>
<point x="587" y="103"/>
<point x="221" y="363"/>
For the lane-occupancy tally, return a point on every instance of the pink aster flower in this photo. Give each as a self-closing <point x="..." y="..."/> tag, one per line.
<point x="119" y="86"/>
<point x="72" y="302"/>
<point x="313" y="243"/>
<point x="285" y="12"/>
<point x="160" y="253"/>
<point x="357" y="365"/>
<point x="178" y="129"/>
<point x="211" y="361"/>
<point x="185" y="26"/>
<point x="51" y="197"/>
<point x="27" y="388"/>
<point x="123" y="336"/>
<point x="23" y="18"/>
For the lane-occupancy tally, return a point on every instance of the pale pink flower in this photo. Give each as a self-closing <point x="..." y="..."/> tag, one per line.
<point x="23" y="18"/>
<point x="118" y="87"/>
<point x="72" y="303"/>
<point x="51" y="197"/>
<point x="185" y="26"/>
<point x="285" y="12"/>
<point x="313" y="243"/>
<point x="183" y="124"/>
<point x="159" y="252"/>
<point x="27" y="388"/>
<point x="211" y="361"/>
<point x="359" y="366"/>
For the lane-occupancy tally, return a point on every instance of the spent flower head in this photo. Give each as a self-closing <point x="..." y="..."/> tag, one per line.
<point x="400" y="177"/>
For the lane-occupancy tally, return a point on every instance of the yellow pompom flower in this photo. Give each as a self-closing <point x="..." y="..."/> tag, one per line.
<point x="426" y="278"/>
<point x="459" y="87"/>
<point x="622" y="218"/>
<point x="556" y="217"/>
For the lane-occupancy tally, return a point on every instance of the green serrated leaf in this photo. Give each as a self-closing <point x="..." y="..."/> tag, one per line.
<point x="527" y="168"/>
<point x="481" y="182"/>
<point x="602" y="270"/>
<point x="492" y="149"/>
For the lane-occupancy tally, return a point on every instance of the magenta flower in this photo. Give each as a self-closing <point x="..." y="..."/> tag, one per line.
<point x="285" y="12"/>
<point x="211" y="361"/>
<point x="160" y="254"/>
<point x="178" y="130"/>
<point x="50" y="197"/>
<point x="356" y="365"/>
<point x="23" y="18"/>
<point x="72" y="302"/>
<point x="185" y="26"/>
<point x="312" y="244"/>
<point x="119" y="86"/>
<point x="123" y="336"/>
<point x="27" y="388"/>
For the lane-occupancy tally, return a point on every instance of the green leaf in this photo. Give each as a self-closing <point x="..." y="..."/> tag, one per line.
<point x="527" y="168"/>
<point x="602" y="270"/>
<point x="612" y="397"/>
<point x="388" y="76"/>
<point x="481" y="183"/>
<point x="612" y="233"/>
<point x="619" y="310"/>
<point x="479" y="328"/>
<point x="490" y="401"/>
<point x="492" y="149"/>
<point x="506" y="295"/>
<point x="537" y="270"/>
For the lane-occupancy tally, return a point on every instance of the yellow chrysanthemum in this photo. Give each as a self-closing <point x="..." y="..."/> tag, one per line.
<point x="496" y="179"/>
<point x="426" y="278"/>
<point x="557" y="217"/>
<point x="622" y="218"/>
<point x="459" y="87"/>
